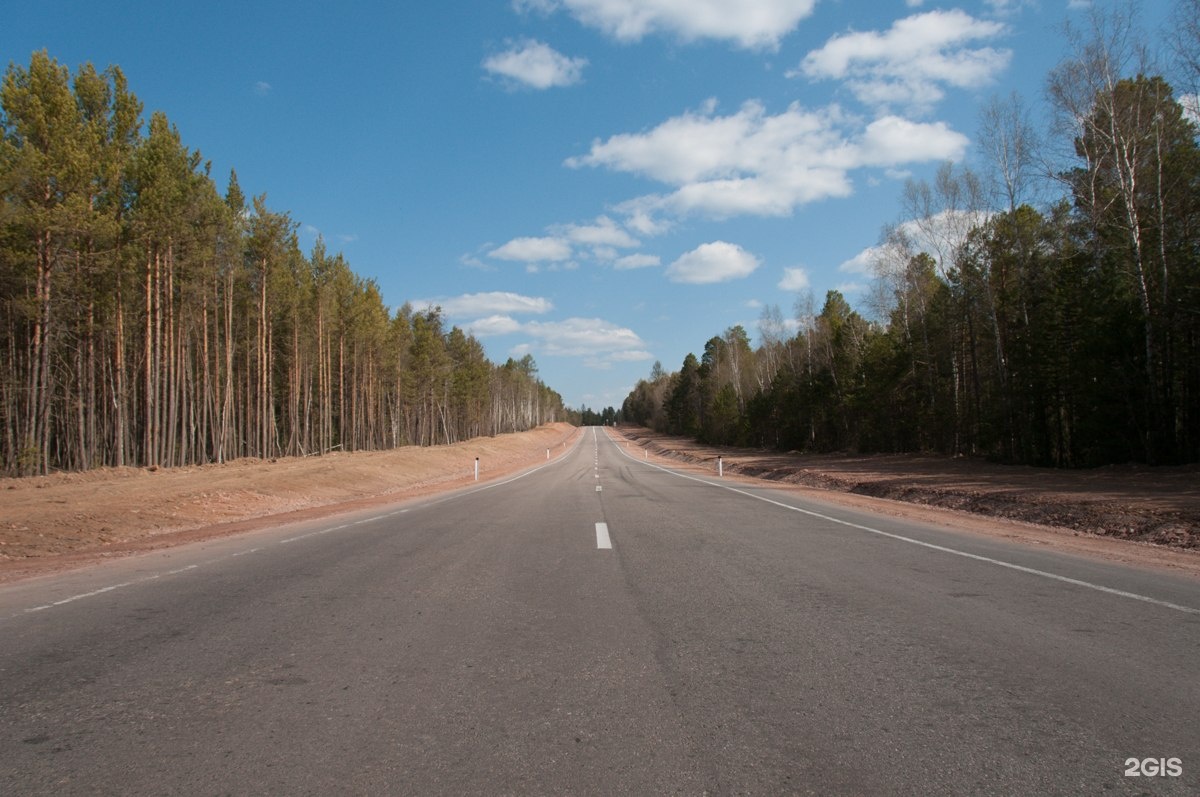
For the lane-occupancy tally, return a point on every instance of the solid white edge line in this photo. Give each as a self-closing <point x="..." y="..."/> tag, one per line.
<point x="998" y="562"/>
<point x="602" y="538"/>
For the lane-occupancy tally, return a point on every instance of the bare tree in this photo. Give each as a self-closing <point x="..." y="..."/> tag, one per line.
<point x="941" y="216"/>
<point x="1009" y="144"/>
<point x="772" y="336"/>
<point x="1183" y="38"/>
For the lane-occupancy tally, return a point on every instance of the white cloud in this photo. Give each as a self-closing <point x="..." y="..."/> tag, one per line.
<point x="794" y="280"/>
<point x="603" y="232"/>
<point x="937" y="236"/>
<point x="755" y="163"/>
<point x="492" y="303"/>
<point x="751" y="24"/>
<point x="471" y="261"/>
<point x="630" y="356"/>
<point x="636" y="261"/>
<point x="942" y="234"/>
<point x="555" y="252"/>
<point x="910" y="63"/>
<point x="536" y="65"/>
<point x="643" y="218"/>
<point x="712" y="262"/>
<point x="891" y="140"/>
<point x="533" y="250"/>
<point x="1191" y="107"/>
<point x="1009" y="7"/>
<point x="493" y="325"/>
<point x="600" y="342"/>
<point x="862" y="263"/>
<point x="262" y="88"/>
<point x="594" y="338"/>
<point x="700" y="146"/>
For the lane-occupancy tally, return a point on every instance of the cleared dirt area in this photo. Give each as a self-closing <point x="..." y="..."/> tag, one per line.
<point x="1155" y="509"/>
<point x="68" y="519"/>
<point x="1148" y="516"/>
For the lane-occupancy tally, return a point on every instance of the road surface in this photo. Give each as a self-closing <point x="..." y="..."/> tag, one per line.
<point x="600" y="625"/>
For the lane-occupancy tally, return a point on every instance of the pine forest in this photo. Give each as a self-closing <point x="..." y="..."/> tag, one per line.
<point x="147" y="319"/>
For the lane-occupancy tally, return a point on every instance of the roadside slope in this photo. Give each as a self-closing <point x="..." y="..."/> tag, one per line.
<point x="71" y="517"/>
<point x="1153" y="505"/>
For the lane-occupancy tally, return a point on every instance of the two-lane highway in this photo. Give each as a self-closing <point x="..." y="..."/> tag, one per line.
<point x="600" y="625"/>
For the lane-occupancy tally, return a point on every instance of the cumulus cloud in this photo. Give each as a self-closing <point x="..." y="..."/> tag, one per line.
<point x="699" y="145"/>
<point x="493" y="303"/>
<point x="794" y="280"/>
<point x="644" y="219"/>
<point x="602" y="239"/>
<point x="493" y="325"/>
<point x="600" y="343"/>
<point x="862" y="263"/>
<point x="534" y="250"/>
<point x="910" y="63"/>
<point x="755" y="163"/>
<point x="937" y="236"/>
<point x="718" y="261"/>
<point x="750" y="24"/>
<point x="537" y="65"/>
<point x="603" y="232"/>
<point x="891" y="140"/>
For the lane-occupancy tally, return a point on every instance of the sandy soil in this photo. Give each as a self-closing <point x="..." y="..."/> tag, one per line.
<point x="1132" y="514"/>
<point x="69" y="519"/>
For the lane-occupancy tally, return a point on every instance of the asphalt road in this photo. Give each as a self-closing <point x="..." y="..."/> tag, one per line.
<point x="601" y="626"/>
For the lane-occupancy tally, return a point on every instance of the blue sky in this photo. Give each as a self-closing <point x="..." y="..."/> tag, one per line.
<point x="601" y="183"/>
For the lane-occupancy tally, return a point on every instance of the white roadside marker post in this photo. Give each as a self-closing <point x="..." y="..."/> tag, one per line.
<point x="720" y="466"/>
<point x="476" y="468"/>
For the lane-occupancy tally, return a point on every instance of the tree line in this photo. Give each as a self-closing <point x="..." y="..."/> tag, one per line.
<point x="147" y="319"/>
<point x="1064" y="332"/>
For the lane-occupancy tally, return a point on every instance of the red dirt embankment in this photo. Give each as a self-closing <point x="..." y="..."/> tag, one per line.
<point x="1130" y="502"/>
